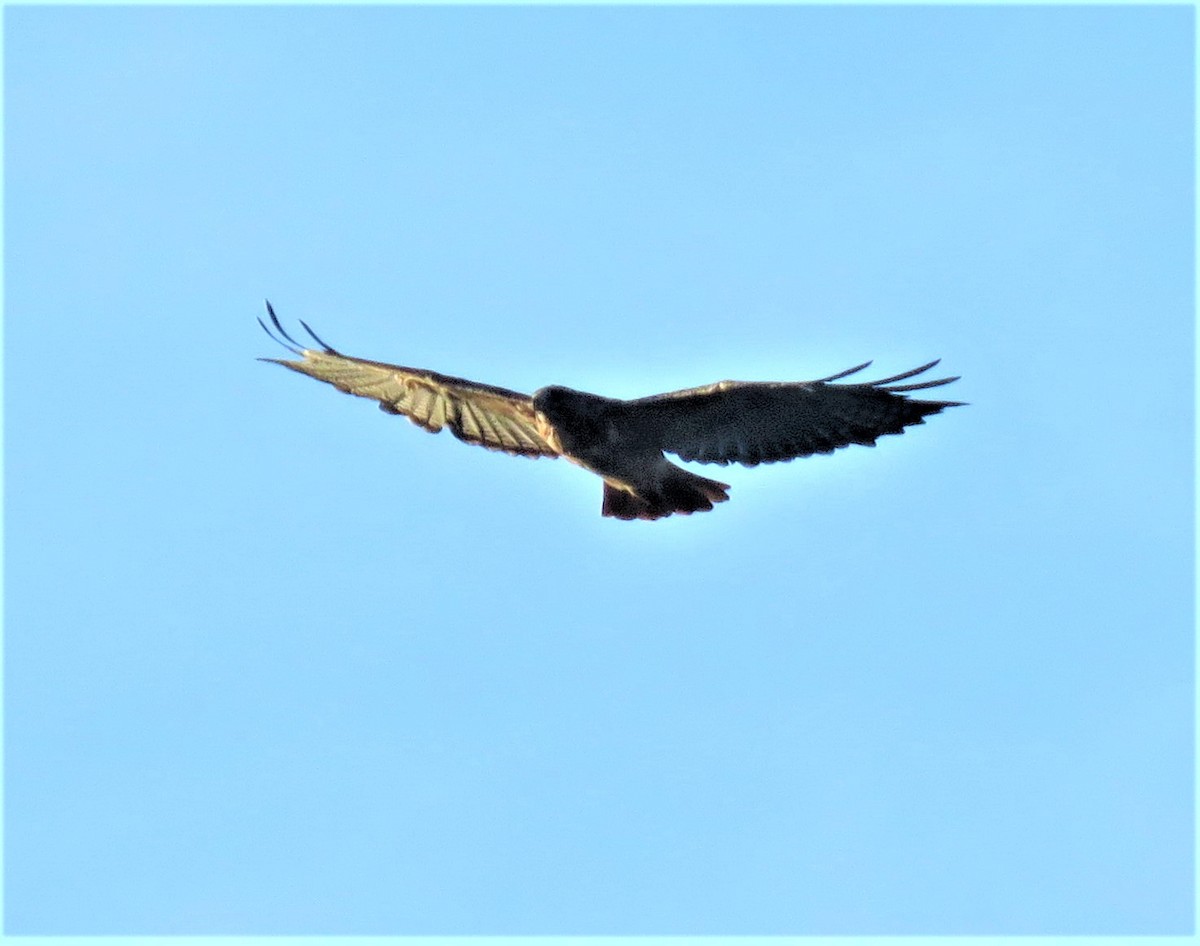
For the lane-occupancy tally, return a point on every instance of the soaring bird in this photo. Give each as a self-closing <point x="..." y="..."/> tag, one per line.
<point x="624" y="442"/>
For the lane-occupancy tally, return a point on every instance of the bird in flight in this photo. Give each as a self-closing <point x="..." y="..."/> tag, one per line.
<point x="624" y="442"/>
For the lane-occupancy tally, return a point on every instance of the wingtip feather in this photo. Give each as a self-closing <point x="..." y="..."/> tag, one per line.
<point x="329" y="349"/>
<point x="912" y="373"/>
<point x="299" y="349"/>
<point x="845" y="374"/>
<point x="273" y="337"/>
<point x="920" y="386"/>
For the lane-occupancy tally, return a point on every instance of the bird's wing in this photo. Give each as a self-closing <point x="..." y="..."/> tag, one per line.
<point x="492" y="417"/>
<point x="752" y="423"/>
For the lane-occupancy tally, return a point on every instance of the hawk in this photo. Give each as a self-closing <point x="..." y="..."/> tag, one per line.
<point x="624" y="442"/>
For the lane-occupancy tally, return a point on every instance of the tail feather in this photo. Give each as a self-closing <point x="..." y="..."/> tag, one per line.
<point x="679" y="492"/>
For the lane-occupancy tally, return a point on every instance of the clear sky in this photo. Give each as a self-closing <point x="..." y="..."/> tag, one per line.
<point x="279" y="663"/>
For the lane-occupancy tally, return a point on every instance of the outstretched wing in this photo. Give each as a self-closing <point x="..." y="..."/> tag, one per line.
<point x="752" y="423"/>
<point x="492" y="417"/>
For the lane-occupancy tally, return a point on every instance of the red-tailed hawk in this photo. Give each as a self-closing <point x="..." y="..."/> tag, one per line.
<point x="623" y="442"/>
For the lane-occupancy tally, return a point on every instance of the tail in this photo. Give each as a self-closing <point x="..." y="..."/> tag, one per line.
<point x="677" y="491"/>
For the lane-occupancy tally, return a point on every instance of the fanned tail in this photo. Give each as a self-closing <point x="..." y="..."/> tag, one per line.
<point x="680" y="491"/>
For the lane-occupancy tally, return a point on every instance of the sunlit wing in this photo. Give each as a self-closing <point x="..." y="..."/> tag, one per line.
<point x="764" y="422"/>
<point x="489" y="416"/>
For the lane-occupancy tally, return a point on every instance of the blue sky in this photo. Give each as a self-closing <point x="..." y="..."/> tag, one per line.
<point x="278" y="663"/>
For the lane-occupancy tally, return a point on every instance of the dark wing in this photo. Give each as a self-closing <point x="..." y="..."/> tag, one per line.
<point x="492" y="417"/>
<point x="752" y="423"/>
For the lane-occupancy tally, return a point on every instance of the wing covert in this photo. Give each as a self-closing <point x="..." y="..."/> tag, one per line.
<point x="482" y="414"/>
<point x="765" y="422"/>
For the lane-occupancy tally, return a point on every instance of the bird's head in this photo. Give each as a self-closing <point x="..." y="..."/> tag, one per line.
<point x="576" y="416"/>
<point x="555" y="402"/>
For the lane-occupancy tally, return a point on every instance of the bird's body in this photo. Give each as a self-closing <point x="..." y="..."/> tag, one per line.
<point x="603" y="435"/>
<point x="624" y="441"/>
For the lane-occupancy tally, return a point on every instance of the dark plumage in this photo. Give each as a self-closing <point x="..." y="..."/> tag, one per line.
<point x="747" y="422"/>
